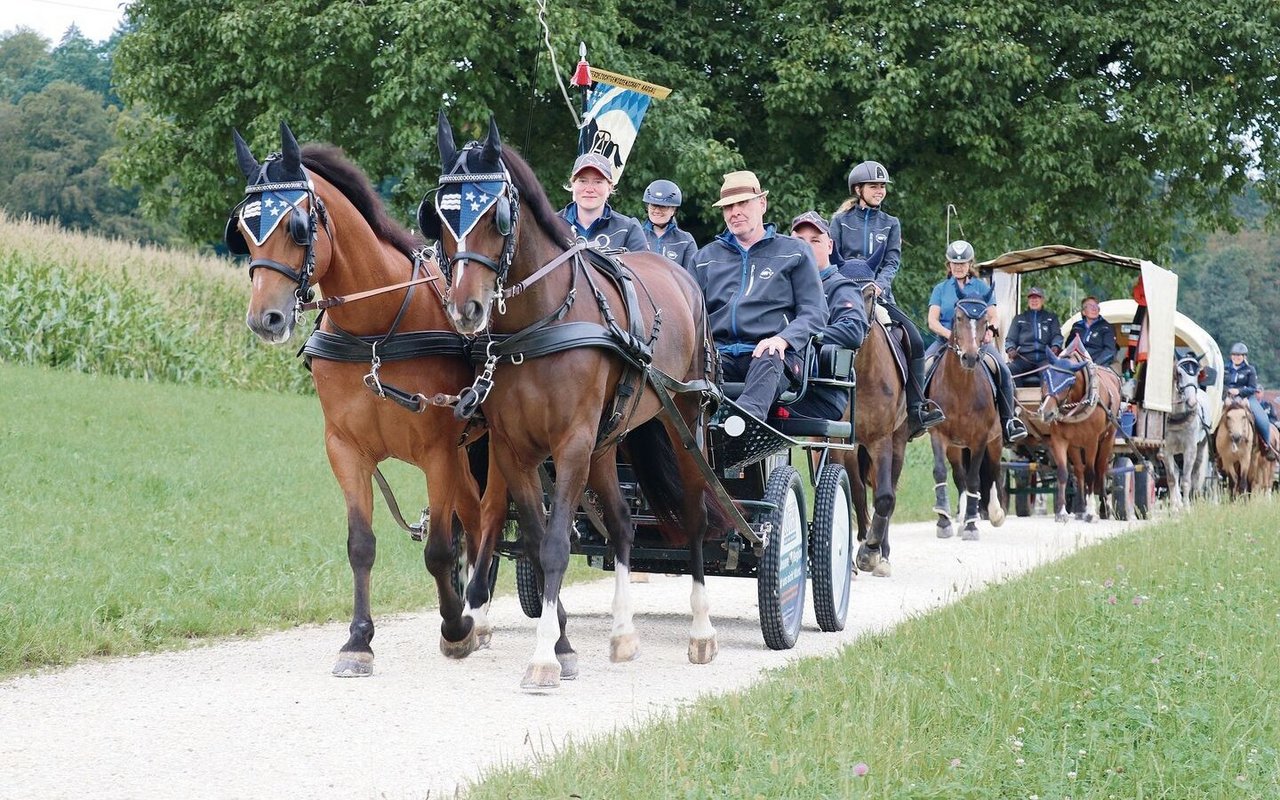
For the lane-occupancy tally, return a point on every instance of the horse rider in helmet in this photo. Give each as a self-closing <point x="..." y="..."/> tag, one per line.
<point x="661" y="199"/>
<point x="1240" y="379"/>
<point x="860" y="231"/>
<point x="963" y="283"/>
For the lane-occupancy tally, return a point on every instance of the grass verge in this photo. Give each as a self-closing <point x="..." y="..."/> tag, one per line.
<point x="1139" y="668"/>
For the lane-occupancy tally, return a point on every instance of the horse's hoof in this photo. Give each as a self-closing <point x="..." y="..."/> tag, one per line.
<point x="568" y="665"/>
<point x="944" y="531"/>
<point x="483" y="637"/>
<point x="1062" y="517"/>
<point x="882" y="568"/>
<point x="353" y="665"/>
<point x="541" y="676"/>
<point x="624" y="648"/>
<point x="867" y="559"/>
<point x="462" y="648"/>
<point x="996" y="517"/>
<point x="969" y="535"/>
<point x="703" y="651"/>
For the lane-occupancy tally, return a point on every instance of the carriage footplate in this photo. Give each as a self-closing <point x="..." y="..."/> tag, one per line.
<point x="737" y="439"/>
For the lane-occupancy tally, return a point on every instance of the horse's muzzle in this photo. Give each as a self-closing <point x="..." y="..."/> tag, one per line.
<point x="469" y="318"/>
<point x="273" y="325"/>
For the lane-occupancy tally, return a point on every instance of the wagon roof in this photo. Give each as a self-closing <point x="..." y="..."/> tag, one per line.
<point x="1050" y="256"/>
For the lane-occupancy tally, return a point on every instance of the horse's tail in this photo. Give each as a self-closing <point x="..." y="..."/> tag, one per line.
<point x="653" y="460"/>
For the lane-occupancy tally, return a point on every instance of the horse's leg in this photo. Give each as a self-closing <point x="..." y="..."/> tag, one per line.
<point x="941" y="503"/>
<point x="445" y="465"/>
<point x="1082" y="463"/>
<point x="991" y="477"/>
<point x="624" y="645"/>
<point x="886" y="499"/>
<point x="703" y="645"/>
<point x="488" y="517"/>
<point x="355" y="477"/>
<point x="1177" y="480"/>
<point x="1058" y="449"/>
<point x="972" y="495"/>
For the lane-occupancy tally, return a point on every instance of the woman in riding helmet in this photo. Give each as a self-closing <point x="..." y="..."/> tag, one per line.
<point x="963" y="283"/>
<point x="1240" y="379"/>
<point x="661" y="199"/>
<point x="861" y="231"/>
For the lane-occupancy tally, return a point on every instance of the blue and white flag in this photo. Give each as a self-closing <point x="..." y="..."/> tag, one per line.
<point x="264" y="210"/>
<point x="611" y="123"/>
<point x="461" y="205"/>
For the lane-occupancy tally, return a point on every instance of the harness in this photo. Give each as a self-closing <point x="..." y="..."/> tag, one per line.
<point x="1080" y="409"/>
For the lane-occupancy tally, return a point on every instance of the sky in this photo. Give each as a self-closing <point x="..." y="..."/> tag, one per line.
<point x="97" y="19"/>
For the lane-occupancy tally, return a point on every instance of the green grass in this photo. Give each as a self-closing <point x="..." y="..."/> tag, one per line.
<point x="1144" y="667"/>
<point x="142" y="516"/>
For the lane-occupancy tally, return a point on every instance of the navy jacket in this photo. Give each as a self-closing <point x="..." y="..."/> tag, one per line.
<point x="846" y="327"/>
<point x="863" y="233"/>
<point x="1099" y="339"/>
<point x="1243" y="378"/>
<point x="621" y="231"/>
<point x="772" y="289"/>
<point x="1033" y="333"/>
<point x="674" y="243"/>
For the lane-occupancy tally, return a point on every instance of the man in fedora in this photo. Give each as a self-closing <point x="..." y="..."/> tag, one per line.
<point x="1033" y="336"/>
<point x="590" y="214"/>
<point x="764" y="297"/>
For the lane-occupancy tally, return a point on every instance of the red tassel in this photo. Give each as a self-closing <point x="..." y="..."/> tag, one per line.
<point x="582" y="75"/>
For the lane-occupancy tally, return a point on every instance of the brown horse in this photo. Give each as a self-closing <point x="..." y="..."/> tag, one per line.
<point x="1081" y="406"/>
<point x="568" y="379"/>
<point x="970" y="438"/>
<point x="311" y="218"/>
<point x="881" y="433"/>
<point x="1240" y="458"/>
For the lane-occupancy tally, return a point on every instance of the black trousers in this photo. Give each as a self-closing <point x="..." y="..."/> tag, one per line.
<point x="766" y="378"/>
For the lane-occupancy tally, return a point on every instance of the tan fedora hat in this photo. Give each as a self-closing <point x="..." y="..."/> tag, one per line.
<point x="739" y="186"/>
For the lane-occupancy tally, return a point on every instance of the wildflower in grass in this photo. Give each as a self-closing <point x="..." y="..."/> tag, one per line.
<point x="1082" y="752"/>
<point x="955" y="763"/>
<point x="860" y="769"/>
<point x="1111" y="601"/>
<point x="1021" y="762"/>
<point x="1108" y="583"/>
<point x="1017" y="744"/>
<point x="1139" y="599"/>
<point x="1240" y="778"/>
<point x="1071" y="776"/>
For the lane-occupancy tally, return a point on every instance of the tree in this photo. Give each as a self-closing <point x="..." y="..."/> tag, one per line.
<point x="1094" y="124"/>
<point x="22" y="53"/>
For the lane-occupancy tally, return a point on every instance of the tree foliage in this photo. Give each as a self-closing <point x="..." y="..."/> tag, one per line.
<point x="1091" y="123"/>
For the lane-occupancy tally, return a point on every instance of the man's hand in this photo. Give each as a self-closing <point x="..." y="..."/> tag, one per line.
<point x="1011" y="353"/>
<point x="774" y="344"/>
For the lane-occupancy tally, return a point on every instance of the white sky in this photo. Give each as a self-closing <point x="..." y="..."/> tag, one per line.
<point x="97" y="19"/>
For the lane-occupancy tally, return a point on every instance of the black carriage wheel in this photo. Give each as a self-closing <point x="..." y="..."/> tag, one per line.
<point x="1023" y="497"/>
<point x="1122" y="488"/>
<point x="1144" y="490"/>
<point x="780" y="579"/>
<point x="458" y="573"/>
<point x="529" y="588"/>
<point x="831" y="548"/>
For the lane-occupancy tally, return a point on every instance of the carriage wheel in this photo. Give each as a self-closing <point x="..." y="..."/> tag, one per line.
<point x="831" y="548"/>
<point x="781" y="574"/>
<point x="1122" y="488"/>
<point x="459" y="573"/>
<point x="1144" y="490"/>
<point x="1023" y="494"/>
<point x="528" y="588"/>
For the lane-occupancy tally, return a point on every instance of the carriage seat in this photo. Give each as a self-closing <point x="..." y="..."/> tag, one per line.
<point x="825" y="365"/>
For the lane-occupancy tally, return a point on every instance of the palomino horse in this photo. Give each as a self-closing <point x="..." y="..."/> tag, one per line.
<point x="1186" y="435"/>
<point x="311" y="218"/>
<point x="1081" y="406"/>
<point x="970" y="438"/>
<point x="1241" y="459"/>
<point x="568" y="380"/>
<point x="881" y="433"/>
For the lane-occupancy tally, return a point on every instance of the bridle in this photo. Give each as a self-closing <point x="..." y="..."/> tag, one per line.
<point x="302" y="226"/>
<point x="1057" y="381"/>
<point x="970" y="307"/>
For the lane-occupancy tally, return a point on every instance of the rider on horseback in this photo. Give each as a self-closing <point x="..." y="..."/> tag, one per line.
<point x="964" y="283"/>
<point x="764" y="298"/>
<point x="1240" y="379"/>
<point x="665" y="237"/>
<point x="590" y="214"/>
<point x="847" y="320"/>
<point x="860" y="230"/>
<point x="1033" y="335"/>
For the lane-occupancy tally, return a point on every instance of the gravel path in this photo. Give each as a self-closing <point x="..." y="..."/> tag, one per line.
<point x="263" y="718"/>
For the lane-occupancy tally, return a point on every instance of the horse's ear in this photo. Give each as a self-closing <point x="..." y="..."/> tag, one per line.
<point x="290" y="150"/>
<point x="444" y="140"/>
<point x="244" y="157"/>
<point x="492" y="152"/>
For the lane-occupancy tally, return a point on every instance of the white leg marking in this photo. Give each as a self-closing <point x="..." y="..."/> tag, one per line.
<point x="544" y="651"/>
<point x="701" y="613"/>
<point x="623" y="610"/>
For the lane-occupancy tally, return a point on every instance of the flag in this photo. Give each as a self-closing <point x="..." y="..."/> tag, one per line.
<point x="615" y="109"/>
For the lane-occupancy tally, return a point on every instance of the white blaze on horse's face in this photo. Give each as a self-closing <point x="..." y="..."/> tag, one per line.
<point x="469" y="304"/>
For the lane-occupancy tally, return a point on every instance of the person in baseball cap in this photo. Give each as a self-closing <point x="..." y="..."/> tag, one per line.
<point x="764" y="298"/>
<point x="846" y="316"/>
<point x="590" y="214"/>
<point x="1033" y="336"/>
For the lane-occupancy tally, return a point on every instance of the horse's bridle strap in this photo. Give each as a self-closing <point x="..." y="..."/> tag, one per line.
<point x="284" y="269"/>
<point x="330" y="302"/>
<point x="467" y="255"/>
<point x="543" y="271"/>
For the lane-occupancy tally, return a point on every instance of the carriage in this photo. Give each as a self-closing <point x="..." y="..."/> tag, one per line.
<point x="760" y="468"/>
<point x="1159" y="333"/>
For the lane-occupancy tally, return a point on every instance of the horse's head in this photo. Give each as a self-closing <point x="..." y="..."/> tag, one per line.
<point x="1059" y="383"/>
<point x="968" y="326"/>
<point x="1238" y="420"/>
<point x="1186" y="383"/>
<point x="474" y="217"/>
<point x="275" y="225"/>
